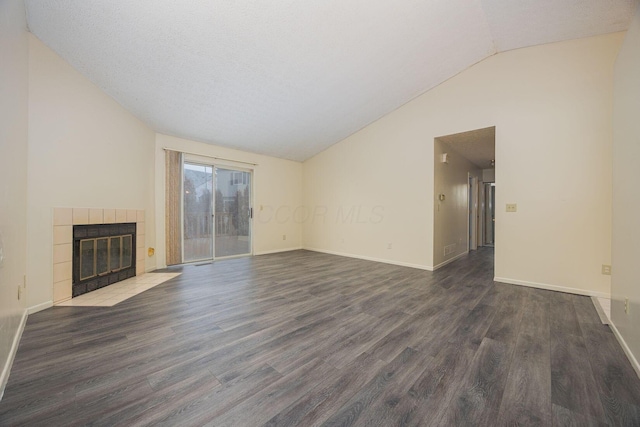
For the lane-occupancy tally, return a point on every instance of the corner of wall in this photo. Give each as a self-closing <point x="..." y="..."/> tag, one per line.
<point x="626" y="199"/>
<point x="14" y="87"/>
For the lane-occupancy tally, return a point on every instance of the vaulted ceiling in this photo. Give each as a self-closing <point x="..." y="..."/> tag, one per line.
<point x="290" y="78"/>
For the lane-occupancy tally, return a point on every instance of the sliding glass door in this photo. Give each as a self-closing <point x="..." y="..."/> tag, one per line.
<point x="197" y="212"/>
<point x="217" y="223"/>
<point x="233" y="212"/>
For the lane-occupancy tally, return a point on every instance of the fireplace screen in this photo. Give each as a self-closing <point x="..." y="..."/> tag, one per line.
<point x="104" y="255"/>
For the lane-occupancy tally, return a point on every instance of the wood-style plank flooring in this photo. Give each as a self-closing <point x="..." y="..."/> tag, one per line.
<point x="310" y="339"/>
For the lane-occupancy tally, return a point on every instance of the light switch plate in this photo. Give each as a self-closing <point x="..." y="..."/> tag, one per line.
<point x="512" y="207"/>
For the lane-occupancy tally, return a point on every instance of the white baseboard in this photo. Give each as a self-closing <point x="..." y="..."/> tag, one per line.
<point x="277" y="251"/>
<point x="40" y="307"/>
<point x="442" y="264"/>
<point x="6" y="369"/>
<point x="61" y="301"/>
<point x="366" y="258"/>
<point x="600" y="310"/>
<point x="627" y="350"/>
<point x="551" y="287"/>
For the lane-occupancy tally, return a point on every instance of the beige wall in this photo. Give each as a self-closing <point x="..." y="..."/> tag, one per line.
<point x="85" y="151"/>
<point x="625" y="281"/>
<point x="451" y="216"/>
<point x="551" y="106"/>
<point x="277" y="189"/>
<point x="13" y="174"/>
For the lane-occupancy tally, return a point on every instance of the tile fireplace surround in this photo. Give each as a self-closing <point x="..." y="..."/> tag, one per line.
<point x="63" y="221"/>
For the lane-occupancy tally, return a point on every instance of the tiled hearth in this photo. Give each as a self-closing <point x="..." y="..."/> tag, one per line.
<point x="118" y="292"/>
<point x="63" y="221"/>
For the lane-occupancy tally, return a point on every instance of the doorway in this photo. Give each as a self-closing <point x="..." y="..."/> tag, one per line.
<point x="216" y="212"/>
<point x="463" y="164"/>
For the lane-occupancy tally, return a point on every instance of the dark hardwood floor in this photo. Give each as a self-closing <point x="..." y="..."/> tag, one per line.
<point x="303" y="338"/>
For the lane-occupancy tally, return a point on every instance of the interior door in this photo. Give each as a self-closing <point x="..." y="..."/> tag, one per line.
<point x="233" y="212"/>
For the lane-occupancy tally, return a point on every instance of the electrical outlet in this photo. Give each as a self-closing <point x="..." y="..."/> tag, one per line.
<point x="512" y="207"/>
<point x="606" y="270"/>
<point x="284" y="237"/>
<point x="626" y="306"/>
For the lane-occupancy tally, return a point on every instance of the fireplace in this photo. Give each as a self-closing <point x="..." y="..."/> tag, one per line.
<point x="103" y="254"/>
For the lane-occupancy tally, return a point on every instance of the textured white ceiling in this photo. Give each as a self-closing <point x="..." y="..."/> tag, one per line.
<point x="290" y="78"/>
<point x="521" y="23"/>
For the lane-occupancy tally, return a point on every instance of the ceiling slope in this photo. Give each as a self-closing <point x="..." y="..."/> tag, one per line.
<point x="290" y="78"/>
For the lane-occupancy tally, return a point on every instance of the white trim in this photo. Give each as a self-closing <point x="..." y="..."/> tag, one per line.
<point x="442" y="264"/>
<point x="62" y="300"/>
<point x="276" y="251"/>
<point x="551" y="287"/>
<point x="6" y="369"/>
<point x="366" y="258"/>
<point x="600" y="310"/>
<point x="627" y="350"/>
<point x="40" y="307"/>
